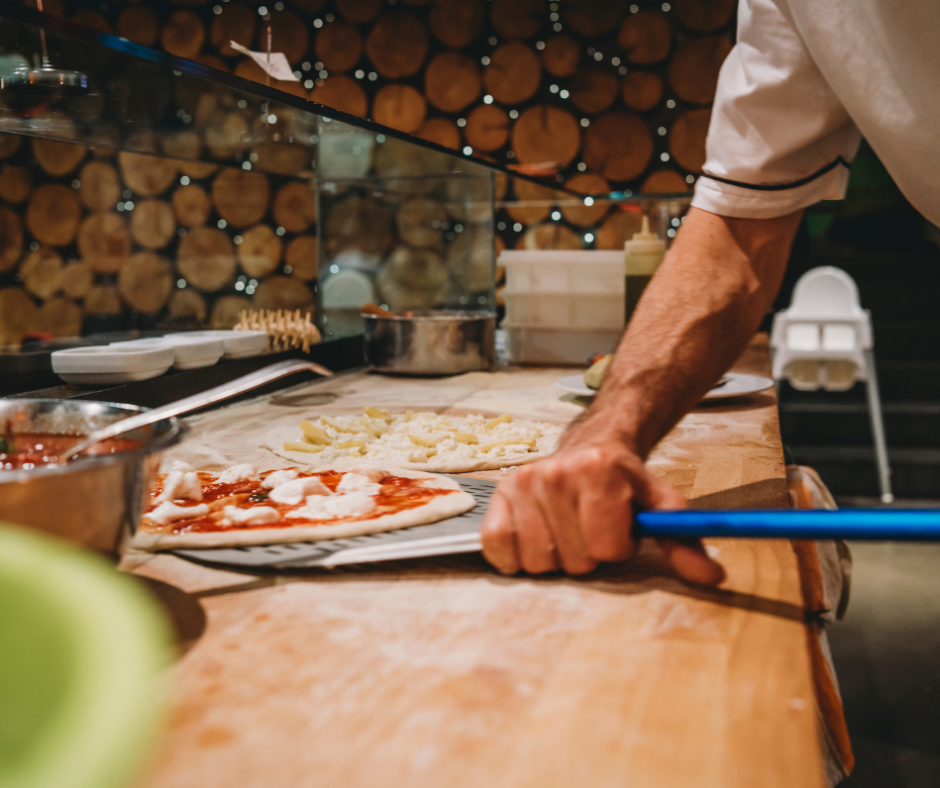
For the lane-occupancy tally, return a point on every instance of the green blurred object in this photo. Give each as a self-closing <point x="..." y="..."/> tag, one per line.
<point x="82" y="650"/>
<point x="818" y="223"/>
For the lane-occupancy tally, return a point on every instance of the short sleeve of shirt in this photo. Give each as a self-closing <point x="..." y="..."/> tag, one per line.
<point x="779" y="139"/>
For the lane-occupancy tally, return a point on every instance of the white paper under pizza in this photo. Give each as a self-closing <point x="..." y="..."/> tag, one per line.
<point x="150" y="537"/>
<point x="421" y="441"/>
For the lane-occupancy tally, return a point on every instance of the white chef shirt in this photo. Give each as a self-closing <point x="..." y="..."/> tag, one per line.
<point x="805" y="80"/>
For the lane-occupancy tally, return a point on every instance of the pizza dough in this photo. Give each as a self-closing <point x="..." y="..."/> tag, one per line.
<point x="417" y="441"/>
<point x="241" y="506"/>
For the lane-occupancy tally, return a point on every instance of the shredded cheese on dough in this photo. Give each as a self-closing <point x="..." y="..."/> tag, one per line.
<point x="417" y="437"/>
<point x="314" y="434"/>
<point x="304" y="447"/>
<point x="504" y="419"/>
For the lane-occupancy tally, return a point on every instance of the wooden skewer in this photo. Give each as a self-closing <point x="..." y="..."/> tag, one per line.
<point x="286" y="330"/>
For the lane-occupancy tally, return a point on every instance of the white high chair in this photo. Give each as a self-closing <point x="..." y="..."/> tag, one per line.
<point x="824" y="340"/>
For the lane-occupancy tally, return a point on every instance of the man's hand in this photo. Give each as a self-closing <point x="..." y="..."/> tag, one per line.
<point x="575" y="509"/>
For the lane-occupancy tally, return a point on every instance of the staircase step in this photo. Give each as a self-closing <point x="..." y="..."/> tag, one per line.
<point x="908" y="379"/>
<point x="906" y="340"/>
<point x="851" y="470"/>
<point x="894" y="301"/>
<point x="907" y="424"/>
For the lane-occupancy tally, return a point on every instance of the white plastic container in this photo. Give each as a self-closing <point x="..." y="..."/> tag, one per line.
<point x="565" y="310"/>
<point x="642" y="256"/>
<point x="564" y="289"/>
<point x="553" y="271"/>
<point x="89" y="366"/>
<point x="545" y="345"/>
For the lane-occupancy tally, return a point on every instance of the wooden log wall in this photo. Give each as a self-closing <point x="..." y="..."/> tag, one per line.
<point x="598" y="94"/>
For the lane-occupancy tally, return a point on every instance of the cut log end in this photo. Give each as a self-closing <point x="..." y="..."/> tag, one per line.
<point x="15" y="184"/>
<point x="153" y="224"/>
<point x="206" y="259"/>
<point x="42" y="272"/>
<point x="100" y="188"/>
<point x="397" y="45"/>
<point x="546" y="134"/>
<point x="259" y="253"/>
<point x="451" y="81"/>
<point x="53" y="214"/>
<point x="11" y="239"/>
<point x="295" y="206"/>
<point x="104" y="242"/>
<point x="301" y="256"/>
<point x="241" y="196"/>
<point x="18" y="315"/>
<point x="146" y="282"/>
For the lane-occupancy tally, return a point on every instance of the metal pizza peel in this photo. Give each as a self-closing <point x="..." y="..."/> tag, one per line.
<point x="461" y="534"/>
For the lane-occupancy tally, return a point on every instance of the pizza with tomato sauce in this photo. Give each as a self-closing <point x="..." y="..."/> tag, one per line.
<point x="241" y="506"/>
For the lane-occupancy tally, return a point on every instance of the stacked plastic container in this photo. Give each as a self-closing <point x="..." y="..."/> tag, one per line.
<point x="562" y="307"/>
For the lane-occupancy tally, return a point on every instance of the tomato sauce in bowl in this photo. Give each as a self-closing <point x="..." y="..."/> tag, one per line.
<point x="31" y="450"/>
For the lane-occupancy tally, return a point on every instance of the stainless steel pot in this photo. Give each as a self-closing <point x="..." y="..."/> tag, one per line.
<point x="95" y="501"/>
<point x="431" y="343"/>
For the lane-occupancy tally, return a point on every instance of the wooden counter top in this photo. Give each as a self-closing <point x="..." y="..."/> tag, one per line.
<point x="440" y="672"/>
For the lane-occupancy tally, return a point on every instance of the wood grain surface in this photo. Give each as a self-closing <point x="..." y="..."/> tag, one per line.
<point x="440" y="672"/>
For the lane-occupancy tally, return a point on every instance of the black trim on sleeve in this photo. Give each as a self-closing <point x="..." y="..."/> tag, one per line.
<point x="779" y="187"/>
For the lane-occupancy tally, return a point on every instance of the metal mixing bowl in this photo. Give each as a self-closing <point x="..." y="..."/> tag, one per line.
<point x="95" y="501"/>
<point x="432" y="342"/>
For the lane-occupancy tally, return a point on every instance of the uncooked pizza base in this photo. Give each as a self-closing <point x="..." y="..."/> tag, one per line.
<point x="439" y="508"/>
<point x="275" y="439"/>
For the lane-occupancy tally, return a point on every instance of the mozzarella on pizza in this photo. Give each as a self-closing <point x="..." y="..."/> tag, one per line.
<point x="243" y="507"/>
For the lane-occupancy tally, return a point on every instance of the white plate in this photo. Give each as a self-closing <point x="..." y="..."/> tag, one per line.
<point x="738" y="384"/>
<point x="574" y="384"/>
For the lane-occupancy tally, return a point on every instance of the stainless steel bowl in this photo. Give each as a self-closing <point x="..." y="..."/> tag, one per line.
<point x="94" y="501"/>
<point x="432" y="342"/>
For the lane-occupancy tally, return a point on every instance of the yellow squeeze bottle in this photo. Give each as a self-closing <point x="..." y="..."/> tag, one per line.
<point x="642" y="257"/>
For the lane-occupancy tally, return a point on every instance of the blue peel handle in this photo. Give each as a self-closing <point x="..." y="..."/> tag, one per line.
<point x="875" y="524"/>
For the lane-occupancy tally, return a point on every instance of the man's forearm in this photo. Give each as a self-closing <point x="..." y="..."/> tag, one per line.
<point x="698" y="313"/>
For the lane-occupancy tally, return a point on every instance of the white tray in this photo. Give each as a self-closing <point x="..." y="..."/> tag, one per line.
<point x="188" y="352"/>
<point x="237" y="344"/>
<point x="89" y="366"/>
